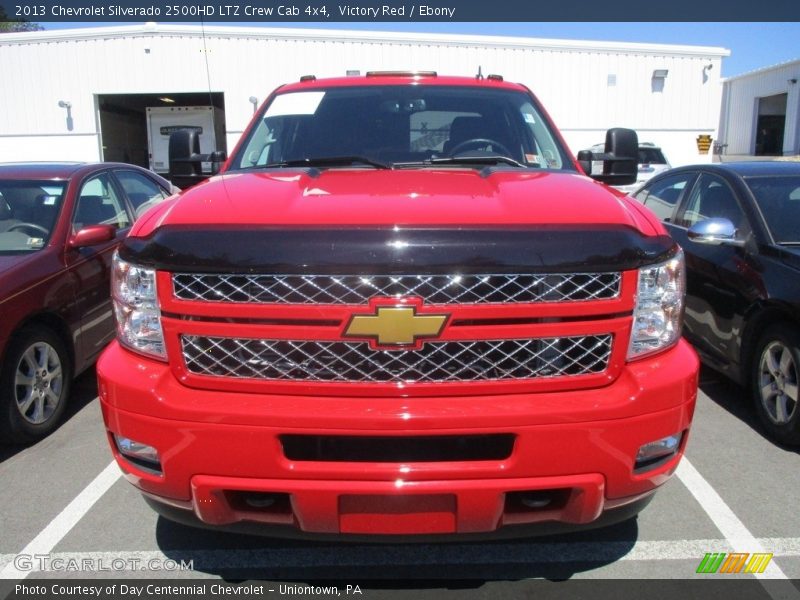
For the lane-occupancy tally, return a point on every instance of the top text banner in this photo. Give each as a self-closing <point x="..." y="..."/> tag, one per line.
<point x="323" y="11"/>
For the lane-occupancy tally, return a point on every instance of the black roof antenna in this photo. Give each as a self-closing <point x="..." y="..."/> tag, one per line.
<point x="205" y="54"/>
<point x="479" y="76"/>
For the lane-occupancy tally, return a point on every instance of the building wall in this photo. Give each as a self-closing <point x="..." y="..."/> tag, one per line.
<point x="740" y="107"/>
<point x="571" y="78"/>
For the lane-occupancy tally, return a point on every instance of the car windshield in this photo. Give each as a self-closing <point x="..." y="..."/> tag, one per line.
<point x="401" y="127"/>
<point x="651" y="156"/>
<point x="779" y="201"/>
<point x="28" y="213"/>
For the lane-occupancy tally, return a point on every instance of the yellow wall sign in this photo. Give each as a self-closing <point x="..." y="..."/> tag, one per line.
<point x="703" y="143"/>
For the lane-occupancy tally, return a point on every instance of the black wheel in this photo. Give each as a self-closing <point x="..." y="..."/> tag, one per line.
<point x="34" y="385"/>
<point x="774" y="381"/>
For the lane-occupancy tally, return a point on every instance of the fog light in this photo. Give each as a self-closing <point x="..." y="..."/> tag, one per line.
<point x="658" y="452"/>
<point x="141" y="455"/>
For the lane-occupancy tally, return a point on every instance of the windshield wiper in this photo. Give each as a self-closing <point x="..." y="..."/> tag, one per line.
<point x="480" y="160"/>
<point x="330" y="161"/>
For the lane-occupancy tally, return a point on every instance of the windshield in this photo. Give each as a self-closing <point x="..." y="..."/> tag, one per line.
<point x="651" y="156"/>
<point x="401" y="126"/>
<point x="28" y="213"/>
<point x="779" y="201"/>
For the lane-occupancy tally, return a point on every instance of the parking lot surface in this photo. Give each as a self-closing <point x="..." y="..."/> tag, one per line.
<point x="736" y="491"/>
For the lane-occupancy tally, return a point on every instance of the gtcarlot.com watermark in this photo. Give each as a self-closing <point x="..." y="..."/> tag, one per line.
<point x="96" y="564"/>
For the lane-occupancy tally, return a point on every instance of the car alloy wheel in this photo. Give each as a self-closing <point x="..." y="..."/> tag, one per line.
<point x="38" y="383"/>
<point x="775" y="385"/>
<point x="35" y="379"/>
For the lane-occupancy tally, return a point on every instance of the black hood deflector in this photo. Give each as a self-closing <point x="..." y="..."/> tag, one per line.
<point x="372" y="251"/>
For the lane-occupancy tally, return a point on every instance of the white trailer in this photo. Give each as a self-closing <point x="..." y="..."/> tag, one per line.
<point x="208" y="121"/>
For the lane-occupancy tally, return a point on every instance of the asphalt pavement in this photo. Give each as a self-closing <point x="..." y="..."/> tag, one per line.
<point x="66" y="513"/>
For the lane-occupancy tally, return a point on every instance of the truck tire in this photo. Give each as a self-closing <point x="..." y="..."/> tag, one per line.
<point x="34" y="385"/>
<point x="774" y="382"/>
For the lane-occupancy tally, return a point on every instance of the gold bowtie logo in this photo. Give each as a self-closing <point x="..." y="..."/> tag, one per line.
<point x="395" y="326"/>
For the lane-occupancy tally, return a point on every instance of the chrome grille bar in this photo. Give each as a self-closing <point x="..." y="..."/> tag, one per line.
<point x="433" y="289"/>
<point x="484" y="360"/>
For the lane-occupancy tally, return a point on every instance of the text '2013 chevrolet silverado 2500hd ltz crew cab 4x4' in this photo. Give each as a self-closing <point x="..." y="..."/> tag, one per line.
<point x="401" y="309"/>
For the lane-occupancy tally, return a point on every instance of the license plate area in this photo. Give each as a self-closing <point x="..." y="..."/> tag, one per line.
<point x="406" y="514"/>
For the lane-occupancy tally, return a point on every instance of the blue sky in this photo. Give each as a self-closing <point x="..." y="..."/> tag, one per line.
<point x="752" y="45"/>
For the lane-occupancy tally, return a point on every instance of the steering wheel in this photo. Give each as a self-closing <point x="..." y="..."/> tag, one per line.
<point x="32" y="226"/>
<point x="477" y="143"/>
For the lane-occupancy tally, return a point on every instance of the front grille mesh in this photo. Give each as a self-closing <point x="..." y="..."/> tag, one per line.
<point x="485" y="360"/>
<point x="434" y="289"/>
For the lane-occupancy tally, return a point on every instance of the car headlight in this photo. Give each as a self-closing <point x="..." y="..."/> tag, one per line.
<point x="658" y="316"/>
<point x="138" y="315"/>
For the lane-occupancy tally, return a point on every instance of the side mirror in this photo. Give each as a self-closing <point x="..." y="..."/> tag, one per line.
<point x="621" y="157"/>
<point x="186" y="164"/>
<point x="184" y="147"/>
<point x="714" y="232"/>
<point x="218" y="158"/>
<point x="92" y="235"/>
<point x="585" y="161"/>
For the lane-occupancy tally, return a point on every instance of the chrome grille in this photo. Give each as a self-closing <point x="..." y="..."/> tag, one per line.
<point x="485" y="360"/>
<point x="433" y="289"/>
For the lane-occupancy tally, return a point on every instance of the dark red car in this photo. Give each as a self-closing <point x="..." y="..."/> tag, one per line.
<point x="59" y="224"/>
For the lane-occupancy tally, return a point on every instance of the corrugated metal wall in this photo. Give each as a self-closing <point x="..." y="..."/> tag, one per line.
<point x="571" y="79"/>
<point x="740" y="107"/>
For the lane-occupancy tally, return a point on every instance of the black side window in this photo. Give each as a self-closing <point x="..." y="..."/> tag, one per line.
<point x="711" y="198"/>
<point x="662" y="197"/>
<point x="141" y="191"/>
<point x="98" y="203"/>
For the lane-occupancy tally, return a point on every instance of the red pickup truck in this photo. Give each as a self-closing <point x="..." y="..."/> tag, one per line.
<point x="401" y="308"/>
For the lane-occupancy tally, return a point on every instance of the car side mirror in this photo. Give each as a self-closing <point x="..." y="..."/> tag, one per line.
<point x="620" y="159"/>
<point x="187" y="166"/>
<point x="92" y="235"/>
<point x="585" y="161"/>
<point x="218" y="158"/>
<point x="714" y="232"/>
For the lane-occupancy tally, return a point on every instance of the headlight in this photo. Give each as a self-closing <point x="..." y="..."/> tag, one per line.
<point x="658" y="316"/>
<point x="133" y="291"/>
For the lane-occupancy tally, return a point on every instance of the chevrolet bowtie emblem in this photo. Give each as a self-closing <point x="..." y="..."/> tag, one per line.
<point x="396" y="326"/>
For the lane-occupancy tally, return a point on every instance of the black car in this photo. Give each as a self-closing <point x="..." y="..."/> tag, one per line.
<point x="739" y="225"/>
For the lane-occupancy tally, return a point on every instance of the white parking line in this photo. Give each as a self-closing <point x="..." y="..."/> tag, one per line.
<point x="723" y="517"/>
<point x="65" y="520"/>
<point x="735" y="532"/>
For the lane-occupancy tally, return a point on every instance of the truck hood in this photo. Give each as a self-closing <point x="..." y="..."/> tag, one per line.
<point x="422" y="221"/>
<point x="418" y="197"/>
